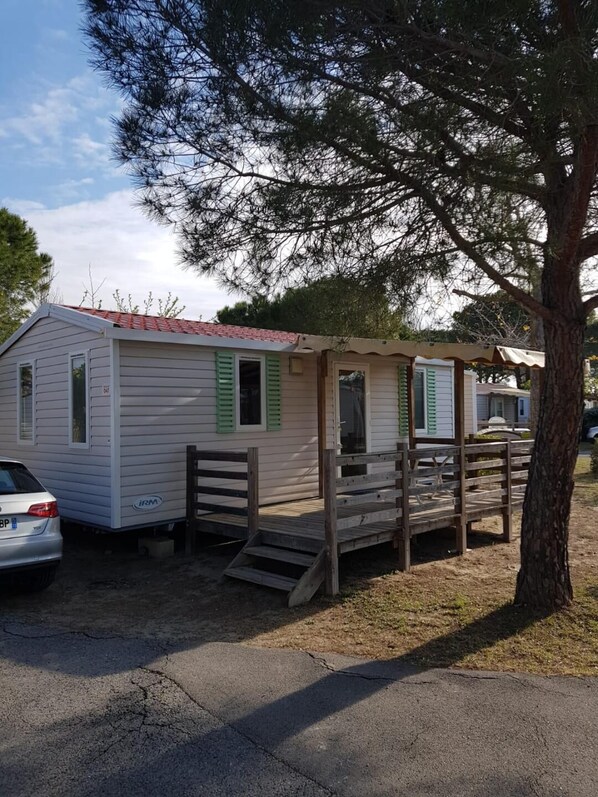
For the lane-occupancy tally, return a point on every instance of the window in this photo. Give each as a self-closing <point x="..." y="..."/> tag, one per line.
<point x="248" y="392"/>
<point x="425" y="417"/>
<point x="15" y="479"/>
<point x="25" y="403"/>
<point x="419" y="389"/>
<point x="497" y="407"/>
<point x="251" y="393"/>
<point x="78" y="400"/>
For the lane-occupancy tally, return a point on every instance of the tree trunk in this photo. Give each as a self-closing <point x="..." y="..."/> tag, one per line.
<point x="544" y="581"/>
<point x="537" y="343"/>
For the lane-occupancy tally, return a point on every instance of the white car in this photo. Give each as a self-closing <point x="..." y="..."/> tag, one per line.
<point x="30" y="538"/>
<point x="592" y="433"/>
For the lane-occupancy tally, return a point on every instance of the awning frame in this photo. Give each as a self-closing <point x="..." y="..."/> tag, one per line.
<point x="488" y="354"/>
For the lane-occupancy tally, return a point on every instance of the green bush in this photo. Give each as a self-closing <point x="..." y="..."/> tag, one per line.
<point x="594" y="459"/>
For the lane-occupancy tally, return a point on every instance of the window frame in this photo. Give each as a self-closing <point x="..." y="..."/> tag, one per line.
<point x="21" y="441"/>
<point x="255" y="427"/>
<point x="424" y="373"/>
<point x="71" y="356"/>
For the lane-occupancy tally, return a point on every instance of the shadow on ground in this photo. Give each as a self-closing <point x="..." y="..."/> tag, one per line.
<point x="105" y="589"/>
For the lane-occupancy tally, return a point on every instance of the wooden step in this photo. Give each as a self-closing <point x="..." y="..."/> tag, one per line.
<point x="280" y="555"/>
<point x="262" y="577"/>
<point x="297" y="543"/>
<point x="310" y="581"/>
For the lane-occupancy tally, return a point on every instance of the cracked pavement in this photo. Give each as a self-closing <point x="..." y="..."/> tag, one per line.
<point x="88" y="714"/>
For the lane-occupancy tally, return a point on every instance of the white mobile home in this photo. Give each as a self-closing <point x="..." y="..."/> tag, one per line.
<point x="102" y="405"/>
<point x="503" y="401"/>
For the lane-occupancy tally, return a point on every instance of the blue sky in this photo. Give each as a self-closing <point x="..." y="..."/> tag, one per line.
<point x="57" y="171"/>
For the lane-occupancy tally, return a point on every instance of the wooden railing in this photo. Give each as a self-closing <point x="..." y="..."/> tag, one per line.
<point x="204" y="479"/>
<point x="421" y="489"/>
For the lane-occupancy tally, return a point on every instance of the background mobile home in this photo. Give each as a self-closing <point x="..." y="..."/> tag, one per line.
<point x="502" y="401"/>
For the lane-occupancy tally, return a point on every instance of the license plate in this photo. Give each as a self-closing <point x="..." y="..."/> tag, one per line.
<point x="8" y="522"/>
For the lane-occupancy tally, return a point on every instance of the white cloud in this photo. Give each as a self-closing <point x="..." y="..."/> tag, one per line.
<point x="43" y="120"/>
<point x="21" y="206"/>
<point x="129" y="252"/>
<point x="71" y="190"/>
<point x="89" y="152"/>
<point x="46" y="124"/>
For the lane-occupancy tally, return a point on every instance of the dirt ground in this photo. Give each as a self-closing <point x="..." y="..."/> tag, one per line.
<point x="448" y="611"/>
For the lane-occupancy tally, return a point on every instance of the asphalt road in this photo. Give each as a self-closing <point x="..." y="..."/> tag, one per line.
<point x="89" y="716"/>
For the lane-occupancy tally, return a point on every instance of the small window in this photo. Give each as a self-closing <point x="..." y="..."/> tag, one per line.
<point x="25" y="403"/>
<point x="419" y="389"/>
<point x="78" y="400"/>
<point x="251" y="393"/>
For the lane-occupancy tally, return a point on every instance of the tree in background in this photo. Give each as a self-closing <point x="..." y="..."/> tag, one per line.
<point x="496" y="319"/>
<point x="424" y="140"/>
<point x="25" y="273"/>
<point x="330" y="306"/>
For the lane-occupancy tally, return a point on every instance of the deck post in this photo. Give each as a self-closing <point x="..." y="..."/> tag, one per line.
<point x="190" y="501"/>
<point x="507" y="512"/>
<point x="405" y="533"/>
<point x="461" y="508"/>
<point x="330" y="517"/>
<point x="322" y="373"/>
<point x="253" y="492"/>
<point x="459" y="402"/>
<point x="461" y="525"/>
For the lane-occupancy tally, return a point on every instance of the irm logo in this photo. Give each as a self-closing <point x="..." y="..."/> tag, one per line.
<point x="147" y="502"/>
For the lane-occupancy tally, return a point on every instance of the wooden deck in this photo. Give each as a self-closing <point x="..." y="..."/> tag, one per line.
<point x="399" y="495"/>
<point x="300" y="524"/>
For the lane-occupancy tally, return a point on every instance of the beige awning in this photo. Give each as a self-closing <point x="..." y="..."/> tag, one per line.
<point x="468" y="352"/>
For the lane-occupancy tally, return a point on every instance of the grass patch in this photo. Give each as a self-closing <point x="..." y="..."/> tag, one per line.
<point x="586" y="483"/>
<point x="426" y="626"/>
<point x="457" y="611"/>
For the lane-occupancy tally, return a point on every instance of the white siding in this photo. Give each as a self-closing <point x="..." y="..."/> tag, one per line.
<point x="444" y="401"/>
<point x="168" y="401"/>
<point x="78" y="477"/>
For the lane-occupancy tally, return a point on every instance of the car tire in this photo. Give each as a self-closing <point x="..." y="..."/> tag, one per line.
<point x="38" y="580"/>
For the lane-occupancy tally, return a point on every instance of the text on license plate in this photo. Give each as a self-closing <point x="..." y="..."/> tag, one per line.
<point x="8" y="522"/>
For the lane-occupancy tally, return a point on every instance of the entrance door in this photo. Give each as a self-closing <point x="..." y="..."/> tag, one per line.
<point x="352" y="416"/>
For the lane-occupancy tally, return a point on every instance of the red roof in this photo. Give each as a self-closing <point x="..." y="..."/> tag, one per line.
<point x="182" y="326"/>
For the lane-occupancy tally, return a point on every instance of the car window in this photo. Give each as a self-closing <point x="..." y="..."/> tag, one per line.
<point x="16" y="479"/>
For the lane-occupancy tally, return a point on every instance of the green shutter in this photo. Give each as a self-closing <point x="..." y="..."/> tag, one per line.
<point x="403" y="402"/>
<point x="225" y="392"/>
<point x="273" y="402"/>
<point x="431" y="400"/>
